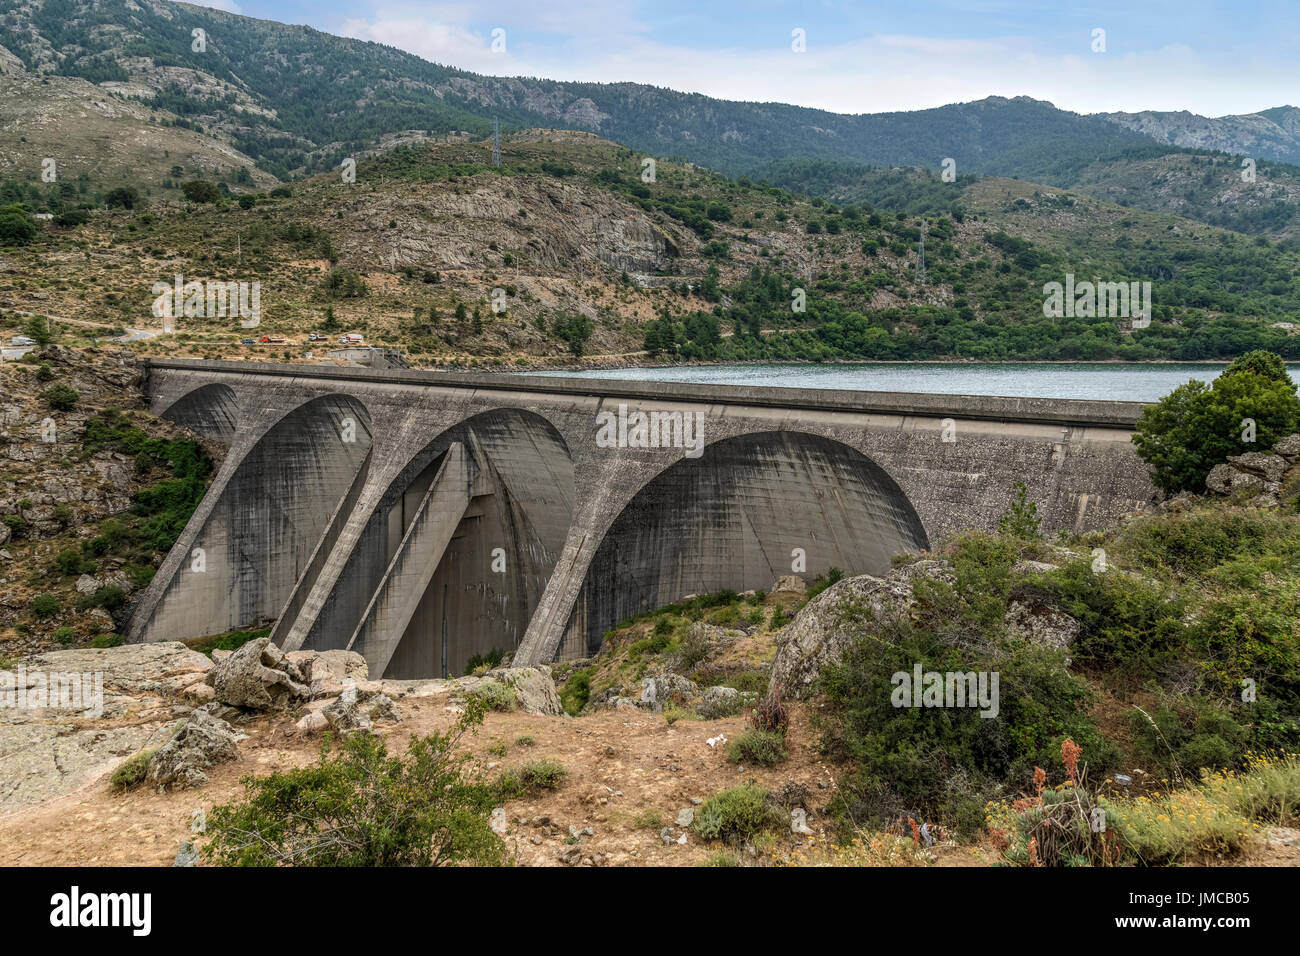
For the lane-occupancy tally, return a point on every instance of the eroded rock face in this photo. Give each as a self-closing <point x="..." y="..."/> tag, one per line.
<point x="1288" y="448"/>
<point x="1268" y="467"/>
<point x="534" y="688"/>
<point x="819" y="634"/>
<point x="258" y="676"/>
<point x="165" y="667"/>
<point x="203" y="741"/>
<point x="345" y="715"/>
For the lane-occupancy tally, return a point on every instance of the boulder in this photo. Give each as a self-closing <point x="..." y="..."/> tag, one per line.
<point x="534" y="688"/>
<point x="345" y="715"/>
<point x="1288" y="448"/>
<point x="381" y="707"/>
<point x="259" y="677"/>
<point x="718" y="702"/>
<point x="820" y="631"/>
<point x="1041" y="623"/>
<point x="1219" y="480"/>
<point x="1268" y="467"/>
<point x="201" y="742"/>
<point x="789" y="584"/>
<point x="659" y="690"/>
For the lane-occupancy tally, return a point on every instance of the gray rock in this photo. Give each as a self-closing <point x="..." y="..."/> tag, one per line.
<point x="345" y="715"/>
<point x="822" y="630"/>
<point x="382" y="708"/>
<point x="1268" y="467"/>
<point x="1288" y="448"/>
<point x="657" y="691"/>
<point x="685" y="817"/>
<point x="534" y="688"/>
<point x="1219" y="480"/>
<point x="201" y="742"/>
<point x="718" y="702"/>
<point x="1041" y="623"/>
<point x="133" y="669"/>
<point x="187" y="855"/>
<point x="789" y="584"/>
<point x="259" y="677"/>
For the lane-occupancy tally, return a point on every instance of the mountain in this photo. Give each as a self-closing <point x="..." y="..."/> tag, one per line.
<point x="1269" y="134"/>
<point x="564" y="250"/>
<point x="296" y="99"/>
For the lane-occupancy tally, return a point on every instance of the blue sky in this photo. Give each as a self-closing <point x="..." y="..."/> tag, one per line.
<point x="1210" y="58"/>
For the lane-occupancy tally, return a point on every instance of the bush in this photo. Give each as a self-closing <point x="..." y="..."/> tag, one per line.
<point x="107" y="640"/>
<point x="762" y="747"/>
<point x="60" y="397"/>
<point x="361" y="807"/>
<point x="532" y="778"/>
<point x="737" y="814"/>
<point x="131" y="771"/>
<point x="770" y="715"/>
<point x="65" y="634"/>
<point x="17" y="227"/>
<point x="576" y="692"/>
<point x="69" y="562"/>
<point x="45" y="605"/>
<point x="124" y="197"/>
<point x="494" y="695"/>
<point x="1020" y="520"/>
<point x="110" y="597"/>
<point x="1198" y="426"/>
<point x="488" y="661"/>
<point x="344" y="284"/>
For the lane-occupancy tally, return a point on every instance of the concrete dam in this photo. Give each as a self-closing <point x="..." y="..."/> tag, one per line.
<point x="420" y="517"/>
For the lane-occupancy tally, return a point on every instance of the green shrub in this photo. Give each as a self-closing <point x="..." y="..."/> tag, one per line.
<point x="737" y="814"/>
<point x="65" y="634"/>
<point x="761" y="747"/>
<point x="1020" y="520"/>
<point x="69" y="562"/>
<point x="531" y="778"/>
<point x="361" y="807"/>
<point x="492" y="659"/>
<point x="576" y="692"/>
<point x="60" y="397"/>
<point x="495" y="695"/>
<point x="131" y="771"/>
<point x="110" y="597"/>
<point x="45" y="605"/>
<point x="107" y="640"/>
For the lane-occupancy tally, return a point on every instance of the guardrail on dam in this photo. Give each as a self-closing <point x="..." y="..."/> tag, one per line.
<point x="421" y="517"/>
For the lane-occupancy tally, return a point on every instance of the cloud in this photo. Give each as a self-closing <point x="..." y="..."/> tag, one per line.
<point x="612" y="42"/>
<point x="229" y="6"/>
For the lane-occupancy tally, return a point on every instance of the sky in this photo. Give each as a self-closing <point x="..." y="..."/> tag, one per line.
<point x="1212" y="58"/>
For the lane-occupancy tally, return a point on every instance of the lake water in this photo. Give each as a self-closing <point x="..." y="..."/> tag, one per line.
<point x="1136" y="382"/>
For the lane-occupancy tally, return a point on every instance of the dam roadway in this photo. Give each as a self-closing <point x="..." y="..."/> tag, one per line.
<point x="421" y="517"/>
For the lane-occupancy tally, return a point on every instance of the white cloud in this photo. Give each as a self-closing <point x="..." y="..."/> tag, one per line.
<point x="229" y="6"/>
<point x="571" y="40"/>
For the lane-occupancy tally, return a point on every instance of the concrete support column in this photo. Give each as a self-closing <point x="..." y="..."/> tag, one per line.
<point x="404" y="583"/>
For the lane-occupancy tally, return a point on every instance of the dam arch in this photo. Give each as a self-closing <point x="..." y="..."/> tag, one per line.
<point x="266" y="518"/>
<point x="210" y="410"/>
<point x="732" y="518"/>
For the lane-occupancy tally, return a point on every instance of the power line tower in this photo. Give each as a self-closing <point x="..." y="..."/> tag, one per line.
<point x="496" y="142"/>
<point x="920" y="257"/>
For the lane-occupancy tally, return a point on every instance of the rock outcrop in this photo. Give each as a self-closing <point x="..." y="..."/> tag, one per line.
<point x="819" y="633"/>
<point x="1256" y="476"/>
<point x="259" y="676"/>
<point x="201" y="742"/>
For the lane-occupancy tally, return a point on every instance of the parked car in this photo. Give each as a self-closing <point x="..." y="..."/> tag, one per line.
<point x="247" y="342"/>
<point x="315" y="337"/>
<point x="22" y="340"/>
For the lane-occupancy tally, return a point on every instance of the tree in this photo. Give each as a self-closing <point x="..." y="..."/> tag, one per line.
<point x="17" y="227"/>
<point x="200" y="190"/>
<point x="125" y="197"/>
<point x="1249" y="407"/>
<point x="39" y="330"/>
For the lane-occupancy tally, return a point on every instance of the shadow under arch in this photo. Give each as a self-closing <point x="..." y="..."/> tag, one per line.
<point x="523" y="505"/>
<point x="210" y="410"/>
<point x="266" y="521"/>
<point x="732" y="518"/>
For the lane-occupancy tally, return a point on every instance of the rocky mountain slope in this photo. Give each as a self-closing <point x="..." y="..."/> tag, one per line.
<point x="1268" y="134"/>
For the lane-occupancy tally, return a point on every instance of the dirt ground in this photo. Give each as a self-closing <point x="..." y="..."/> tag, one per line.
<point x="620" y="763"/>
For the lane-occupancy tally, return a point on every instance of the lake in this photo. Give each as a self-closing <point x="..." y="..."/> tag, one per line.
<point x="1134" y="382"/>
